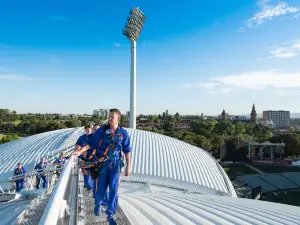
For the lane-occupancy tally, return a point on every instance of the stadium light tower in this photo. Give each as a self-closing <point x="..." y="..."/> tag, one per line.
<point x="133" y="28"/>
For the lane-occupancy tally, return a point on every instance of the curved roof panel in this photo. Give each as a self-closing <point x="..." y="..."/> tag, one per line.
<point x="175" y="208"/>
<point x="156" y="159"/>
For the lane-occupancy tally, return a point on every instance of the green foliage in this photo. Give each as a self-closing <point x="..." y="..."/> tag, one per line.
<point x="209" y="134"/>
<point x="8" y="138"/>
<point x="291" y="140"/>
<point x="224" y="128"/>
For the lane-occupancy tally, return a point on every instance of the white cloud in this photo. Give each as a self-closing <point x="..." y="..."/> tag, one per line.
<point x="258" y="80"/>
<point x="215" y="88"/>
<point x="14" y="77"/>
<point x="285" y="51"/>
<point x="117" y="44"/>
<point x="270" y="12"/>
<point x="297" y="15"/>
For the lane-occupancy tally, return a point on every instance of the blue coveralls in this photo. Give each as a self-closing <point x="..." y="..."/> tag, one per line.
<point x="83" y="140"/>
<point x="40" y="167"/>
<point x="20" y="182"/>
<point x="60" y="162"/>
<point x="110" y="169"/>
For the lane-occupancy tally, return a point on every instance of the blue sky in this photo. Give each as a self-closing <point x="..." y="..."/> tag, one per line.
<point x="192" y="56"/>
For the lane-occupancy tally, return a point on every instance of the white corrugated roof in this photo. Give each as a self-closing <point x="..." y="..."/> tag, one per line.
<point x="179" y="208"/>
<point x="28" y="149"/>
<point x="156" y="159"/>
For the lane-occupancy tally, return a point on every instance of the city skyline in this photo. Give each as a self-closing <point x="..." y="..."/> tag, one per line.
<point x="192" y="57"/>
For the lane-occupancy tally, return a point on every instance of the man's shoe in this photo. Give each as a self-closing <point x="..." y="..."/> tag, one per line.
<point x="97" y="210"/>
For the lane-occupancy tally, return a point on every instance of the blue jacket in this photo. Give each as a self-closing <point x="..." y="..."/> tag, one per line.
<point x="19" y="171"/>
<point x="39" y="167"/>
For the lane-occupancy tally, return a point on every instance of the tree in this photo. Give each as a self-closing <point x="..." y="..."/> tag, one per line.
<point x="8" y="138"/>
<point x="292" y="143"/>
<point x="224" y="128"/>
<point x="202" y="142"/>
<point x="262" y="133"/>
<point x="240" y="128"/>
<point x="177" y="117"/>
<point x="73" y="123"/>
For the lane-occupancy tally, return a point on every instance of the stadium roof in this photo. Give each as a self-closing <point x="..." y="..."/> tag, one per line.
<point x="183" y="208"/>
<point x="164" y="173"/>
<point x="156" y="159"/>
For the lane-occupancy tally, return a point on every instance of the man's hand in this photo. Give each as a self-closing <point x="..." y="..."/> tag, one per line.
<point x="127" y="171"/>
<point x="76" y="153"/>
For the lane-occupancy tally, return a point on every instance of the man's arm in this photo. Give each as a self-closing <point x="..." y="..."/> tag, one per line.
<point x="77" y="148"/>
<point x="127" y="171"/>
<point x="126" y="150"/>
<point x="82" y="150"/>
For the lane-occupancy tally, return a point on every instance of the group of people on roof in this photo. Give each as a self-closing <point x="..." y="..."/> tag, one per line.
<point x="20" y="172"/>
<point x="102" y="152"/>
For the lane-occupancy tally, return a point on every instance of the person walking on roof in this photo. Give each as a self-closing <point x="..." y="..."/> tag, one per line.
<point x="40" y="168"/>
<point x="18" y="172"/>
<point x="83" y="140"/>
<point x="109" y="141"/>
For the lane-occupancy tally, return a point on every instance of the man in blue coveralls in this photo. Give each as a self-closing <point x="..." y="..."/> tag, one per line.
<point x="20" y="182"/>
<point x="109" y="141"/>
<point x="96" y="127"/>
<point x="39" y="168"/>
<point x="60" y="161"/>
<point x="83" y="140"/>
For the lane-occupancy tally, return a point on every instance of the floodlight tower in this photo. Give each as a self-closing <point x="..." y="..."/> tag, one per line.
<point x="133" y="28"/>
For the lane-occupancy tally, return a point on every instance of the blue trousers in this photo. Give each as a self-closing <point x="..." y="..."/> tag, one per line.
<point x="38" y="181"/>
<point x="88" y="182"/>
<point x="19" y="185"/>
<point x="108" y="177"/>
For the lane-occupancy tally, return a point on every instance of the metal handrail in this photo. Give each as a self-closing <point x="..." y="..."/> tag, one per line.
<point x="52" y="211"/>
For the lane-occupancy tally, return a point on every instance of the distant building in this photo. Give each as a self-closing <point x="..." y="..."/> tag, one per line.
<point x="101" y="112"/>
<point x="240" y="118"/>
<point x="279" y="118"/>
<point x="253" y="115"/>
<point x="224" y="116"/>
<point x="167" y="112"/>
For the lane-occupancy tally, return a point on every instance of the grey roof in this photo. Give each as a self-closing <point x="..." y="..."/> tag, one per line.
<point x="156" y="159"/>
<point x="273" y="181"/>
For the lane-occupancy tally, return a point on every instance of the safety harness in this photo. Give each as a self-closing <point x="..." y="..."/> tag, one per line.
<point x="91" y="161"/>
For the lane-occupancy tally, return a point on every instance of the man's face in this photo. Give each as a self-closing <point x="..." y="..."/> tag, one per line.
<point x="113" y="118"/>
<point x="61" y="155"/>
<point x="19" y="166"/>
<point x="42" y="160"/>
<point x="96" y="127"/>
<point x="88" y="130"/>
